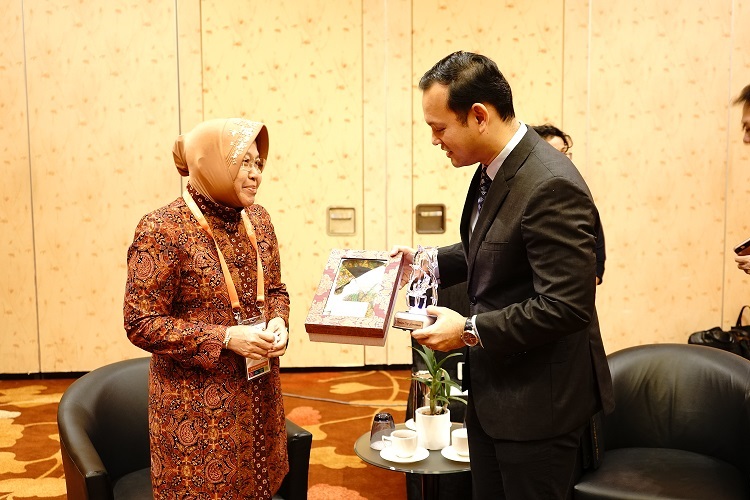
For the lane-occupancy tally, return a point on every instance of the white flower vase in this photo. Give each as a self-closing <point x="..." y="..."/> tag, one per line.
<point x="433" y="431"/>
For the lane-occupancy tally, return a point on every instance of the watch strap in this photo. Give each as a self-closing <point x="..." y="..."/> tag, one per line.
<point x="472" y="326"/>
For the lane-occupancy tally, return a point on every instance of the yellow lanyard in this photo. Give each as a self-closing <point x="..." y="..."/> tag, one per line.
<point x="260" y="294"/>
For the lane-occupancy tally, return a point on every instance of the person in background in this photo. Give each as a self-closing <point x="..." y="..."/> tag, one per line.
<point x="744" y="99"/>
<point x="562" y="142"/>
<point x="193" y="277"/>
<point x="743" y="261"/>
<point x="536" y="370"/>
<point x="556" y="137"/>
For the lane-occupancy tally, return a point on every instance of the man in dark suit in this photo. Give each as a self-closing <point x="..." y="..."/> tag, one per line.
<point x="563" y="142"/>
<point x="536" y="369"/>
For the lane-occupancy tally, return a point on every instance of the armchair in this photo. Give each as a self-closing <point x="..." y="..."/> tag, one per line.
<point x="680" y="428"/>
<point x="103" y="424"/>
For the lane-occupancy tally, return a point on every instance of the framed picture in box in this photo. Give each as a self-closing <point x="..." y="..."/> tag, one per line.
<point x="355" y="298"/>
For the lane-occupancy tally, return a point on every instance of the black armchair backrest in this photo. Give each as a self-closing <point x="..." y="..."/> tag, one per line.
<point x="103" y="423"/>
<point x="681" y="396"/>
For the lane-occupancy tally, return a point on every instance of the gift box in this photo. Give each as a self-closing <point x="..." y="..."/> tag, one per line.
<point x="355" y="297"/>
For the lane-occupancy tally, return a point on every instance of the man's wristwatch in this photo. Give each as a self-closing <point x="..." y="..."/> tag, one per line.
<point x="470" y="336"/>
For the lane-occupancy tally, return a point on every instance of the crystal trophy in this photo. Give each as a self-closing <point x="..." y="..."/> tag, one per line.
<point x="421" y="291"/>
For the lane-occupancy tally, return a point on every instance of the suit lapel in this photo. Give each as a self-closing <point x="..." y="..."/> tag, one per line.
<point x="499" y="190"/>
<point x="492" y="203"/>
<point x="471" y="200"/>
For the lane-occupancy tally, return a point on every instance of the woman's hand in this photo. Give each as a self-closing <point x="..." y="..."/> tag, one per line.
<point x="281" y="337"/>
<point x="250" y="342"/>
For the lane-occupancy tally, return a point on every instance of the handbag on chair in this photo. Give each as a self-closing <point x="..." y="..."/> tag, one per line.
<point x="735" y="340"/>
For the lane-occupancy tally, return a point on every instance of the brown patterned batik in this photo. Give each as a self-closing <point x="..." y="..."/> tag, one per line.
<point x="213" y="434"/>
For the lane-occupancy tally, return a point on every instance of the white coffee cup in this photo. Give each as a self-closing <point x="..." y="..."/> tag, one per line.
<point x="460" y="441"/>
<point x="403" y="442"/>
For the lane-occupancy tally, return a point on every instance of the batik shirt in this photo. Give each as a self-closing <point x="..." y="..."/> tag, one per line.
<point x="213" y="433"/>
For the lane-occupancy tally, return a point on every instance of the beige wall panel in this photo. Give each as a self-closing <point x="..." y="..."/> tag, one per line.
<point x="375" y="123"/>
<point x="526" y="43"/>
<point x="657" y="143"/>
<point x="103" y="116"/>
<point x="297" y="67"/>
<point x="387" y="145"/>
<point x="399" y="148"/>
<point x="190" y="65"/>
<point x="737" y="283"/>
<point x="575" y="81"/>
<point x="19" y="349"/>
<point x="374" y="114"/>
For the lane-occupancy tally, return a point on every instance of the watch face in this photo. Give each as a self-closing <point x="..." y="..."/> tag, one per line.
<point x="469" y="338"/>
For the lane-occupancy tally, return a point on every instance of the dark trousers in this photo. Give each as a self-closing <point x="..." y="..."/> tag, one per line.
<point x="522" y="470"/>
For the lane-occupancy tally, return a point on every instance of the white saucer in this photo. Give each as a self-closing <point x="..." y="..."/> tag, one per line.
<point x="388" y="454"/>
<point x="450" y="453"/>
<point x="410" y="424"/>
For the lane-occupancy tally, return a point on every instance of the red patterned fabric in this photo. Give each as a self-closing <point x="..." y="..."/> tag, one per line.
<point x="213" y="433"/>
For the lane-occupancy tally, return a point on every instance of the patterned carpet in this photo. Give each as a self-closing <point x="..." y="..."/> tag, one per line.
<point x="31" y="466"/>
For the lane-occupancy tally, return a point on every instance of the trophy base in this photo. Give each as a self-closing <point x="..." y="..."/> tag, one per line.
<point x="405" y="320"/>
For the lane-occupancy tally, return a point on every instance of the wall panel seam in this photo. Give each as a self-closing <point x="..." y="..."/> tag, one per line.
<point x="31" y="189"/>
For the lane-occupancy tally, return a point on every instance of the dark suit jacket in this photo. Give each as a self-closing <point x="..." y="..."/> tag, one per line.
<point x="601" y="253"/>
<point x="530" y="268"/>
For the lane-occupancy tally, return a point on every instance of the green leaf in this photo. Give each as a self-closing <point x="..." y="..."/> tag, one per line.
<point x="440" y="383"/>
<point x="440" y="365"/>
<point x="424" y="356"/>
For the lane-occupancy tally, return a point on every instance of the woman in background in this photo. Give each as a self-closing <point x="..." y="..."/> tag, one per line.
<point x="193" y="278"/>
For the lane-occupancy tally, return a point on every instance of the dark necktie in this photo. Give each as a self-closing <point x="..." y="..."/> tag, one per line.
<point x="484" y="186"/>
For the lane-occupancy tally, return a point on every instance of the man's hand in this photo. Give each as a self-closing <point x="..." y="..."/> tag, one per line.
<point x="445" y="333"/>
<point x="408" y="261"/>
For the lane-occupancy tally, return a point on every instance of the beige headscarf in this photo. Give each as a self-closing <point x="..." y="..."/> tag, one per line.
<point x="211" y="154"/>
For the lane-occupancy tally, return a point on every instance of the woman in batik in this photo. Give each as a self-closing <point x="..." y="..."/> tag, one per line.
<point x="213" y="432"/>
